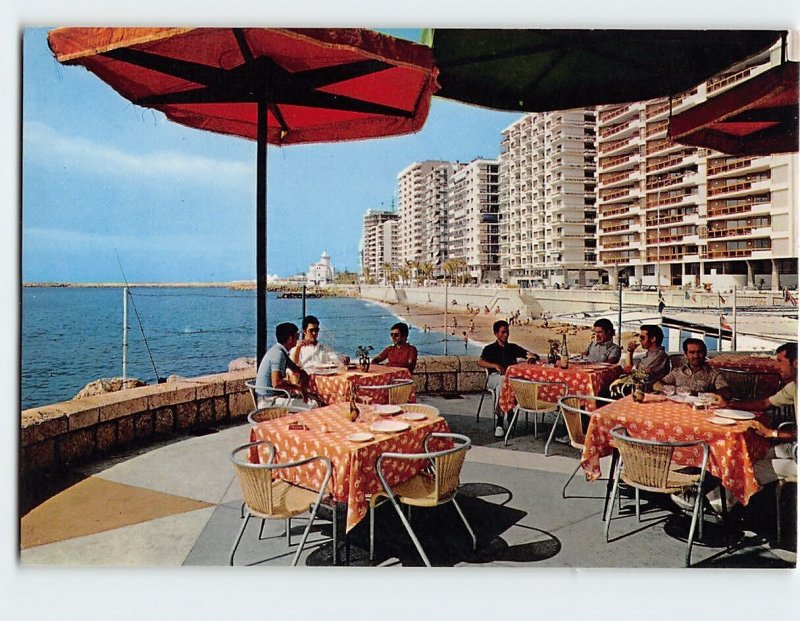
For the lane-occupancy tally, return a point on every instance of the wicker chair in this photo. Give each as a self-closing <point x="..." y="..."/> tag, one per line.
<point x="783" y="480"/>
<point x="750" y="385"/>
<point x="274" y="396"/>
<point x="571" y="410"/>
<point x="269" y="498"/>
<point x="435" y="485"/>
<point x="420" y="408"/>
<point x="528" y="401"/>
<point x="398" y="392"/>
<point x="647" y="465"/>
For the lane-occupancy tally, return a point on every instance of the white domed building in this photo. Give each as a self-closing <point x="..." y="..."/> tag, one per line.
<point x="321" y="272"/>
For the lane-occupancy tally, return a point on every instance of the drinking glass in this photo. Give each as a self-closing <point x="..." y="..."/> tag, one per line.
<point x="668" y="389"/>
<point x="683" y="391"/>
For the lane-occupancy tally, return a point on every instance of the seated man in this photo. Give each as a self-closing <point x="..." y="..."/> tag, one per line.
<point x="603" y="349"/>
<point x="697" y="375"/>
<point x="272" y="370"/>
<point x="309" y="352"/>
<point x="655" y="360"/>
<point x="781" y="460"/>
<point x="497" y="357"/>
<point x="400" y="353"/>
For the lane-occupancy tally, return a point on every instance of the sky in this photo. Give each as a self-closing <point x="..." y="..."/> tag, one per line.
<point x="103" y="178"/>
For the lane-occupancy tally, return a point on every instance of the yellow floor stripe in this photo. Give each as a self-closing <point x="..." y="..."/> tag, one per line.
<point x="95" y="505"/>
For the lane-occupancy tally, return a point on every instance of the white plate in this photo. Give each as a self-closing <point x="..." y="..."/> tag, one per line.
<point x="323" y="370"/>
<point x="677" y="398"/>
<point x="735" y="414"/>
<point x="716" y="420"/>
<point x="413" y="416"/>
<point x="387" y="410"/>
<point x="389" y="426"/>
<point x="361" y="436"/>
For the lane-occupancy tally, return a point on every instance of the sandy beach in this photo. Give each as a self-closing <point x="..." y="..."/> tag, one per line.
<point x="533" y="336"/>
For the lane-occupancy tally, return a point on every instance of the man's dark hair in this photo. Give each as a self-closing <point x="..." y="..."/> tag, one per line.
<point x="500" y="323"/>
<point x="789" y="350"/>
<point x="654" y="332"/>
<point x="691" y="341"/>
<point x="402" y="327"/>
<point x="308" y="320"/>
<point x="606" y="324"/>
<point x="284" y="331"/>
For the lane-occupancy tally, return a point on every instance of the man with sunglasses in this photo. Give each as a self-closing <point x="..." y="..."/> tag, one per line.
<point x="309" y="352"/>
<point x="400" y="353"/>
<point x="655" y="360"/>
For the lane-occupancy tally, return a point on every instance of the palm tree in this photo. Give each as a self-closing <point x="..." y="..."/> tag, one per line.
<point x="413" y="266"/>
<point x="426" y="270"/>
<point x="403" y="272"/>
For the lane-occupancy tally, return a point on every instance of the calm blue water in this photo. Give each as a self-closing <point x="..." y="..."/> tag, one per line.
<point x="72" y="336"/>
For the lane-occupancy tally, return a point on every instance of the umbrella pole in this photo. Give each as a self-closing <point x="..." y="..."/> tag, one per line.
<point x="261" y="233"/>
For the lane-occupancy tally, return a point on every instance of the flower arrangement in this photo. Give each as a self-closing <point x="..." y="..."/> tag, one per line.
<point x="362" y="351"/>
<point x="553" y="350"/>
<point x="636" y="379"/>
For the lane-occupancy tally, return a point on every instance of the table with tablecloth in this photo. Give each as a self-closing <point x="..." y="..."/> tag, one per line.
<point x="583" y="378"/>
<point x="354" y="477"/>
<point x="336" y="388"/>
<point x="763" y="365"/>
<point x="733" y="449"/>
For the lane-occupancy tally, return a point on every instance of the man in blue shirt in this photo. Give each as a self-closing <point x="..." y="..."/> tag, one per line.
<point x="272" y="370"/>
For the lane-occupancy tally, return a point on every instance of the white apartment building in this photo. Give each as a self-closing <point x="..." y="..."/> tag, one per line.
<point x="472" y="226"/>
<point x="379" y="243"/>
<point x="671" y="215"/>
<point x="547" y="200"/>
<point x="422" y="205"/>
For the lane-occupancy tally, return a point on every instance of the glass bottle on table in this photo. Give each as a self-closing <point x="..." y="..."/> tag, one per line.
<point x="354" y="411"/>
<point x="564" y="353"/>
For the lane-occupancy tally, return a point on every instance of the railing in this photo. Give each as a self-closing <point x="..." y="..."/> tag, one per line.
<point x="656" y="128"/>
<point x="668" y="181"/>
<point x="608" y="178"/>
<point x="667" y="161"/>
<point x="607" y="147"/>
<point x="609" y="162"/>
<point x="605" y="132"/>
<point x="715" y="84"/>
<point x="653" y="146"/>
<point x="669" y="199"/>
<point x="655" y="109"/>
<point x="728" y="164"/>
<point x="608" y="115"/>
<point x="609" y="195"/>
<point x="737" y="187"/>
<point x="741" y="230"/>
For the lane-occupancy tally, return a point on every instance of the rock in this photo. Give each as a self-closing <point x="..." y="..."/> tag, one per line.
<point x="241" y="364"/>
<point x="103" y="386"/>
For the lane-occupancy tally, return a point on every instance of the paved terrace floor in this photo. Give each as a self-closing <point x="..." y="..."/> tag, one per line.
<point x="178" y="504"/>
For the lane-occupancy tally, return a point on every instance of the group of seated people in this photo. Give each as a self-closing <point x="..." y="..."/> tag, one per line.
<point x="285" y="365"/>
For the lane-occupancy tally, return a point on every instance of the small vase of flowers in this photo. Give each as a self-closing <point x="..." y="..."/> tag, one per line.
<point x="362" y="354"/>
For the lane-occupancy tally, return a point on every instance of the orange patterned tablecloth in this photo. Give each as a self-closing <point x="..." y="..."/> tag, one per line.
<point x="733" y="449"/>
<point x="759" y="364"/>
<point x="336" y="388"/>
<point x="354" y="476"/>
<point x="582" y="378"/>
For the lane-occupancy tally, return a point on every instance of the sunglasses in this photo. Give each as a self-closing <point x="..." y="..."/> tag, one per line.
<point x="314" y="330"/>
<point x="394" y="334"/>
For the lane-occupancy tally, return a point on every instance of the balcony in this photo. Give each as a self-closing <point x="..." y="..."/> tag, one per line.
<point x="717" y="84"/>
<point x="738" y="185"/>
<point x="674" y="159"/>
<point x="658" y="127"/>
<point x="608" y="115"/>
<point x="654" y="146"/>
<point x="656" y="109"/>
<point x="719" y="166"/>
<point x="746" y="230"/>
<point x="717" y="209"/>
<point x="616" y="145"/>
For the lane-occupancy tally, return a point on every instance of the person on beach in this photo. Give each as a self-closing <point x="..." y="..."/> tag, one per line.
<point x="272" y="370"/>
<point x="655" y="360"/>
<point x="496" y="358"/>
<point x="400" y="353"/>
<point x="696" y="375"/>
<point x="781" y="459"/>
<point x="603" y="349"/>
<point x="309" y="352"/>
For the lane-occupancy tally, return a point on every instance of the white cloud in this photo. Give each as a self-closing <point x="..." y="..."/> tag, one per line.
<point x="48" y="146"/>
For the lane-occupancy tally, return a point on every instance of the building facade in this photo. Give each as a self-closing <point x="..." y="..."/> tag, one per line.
<point x="671" y="215"/>
<point x="379" y="244"/>
<point x="321" y="273"/>
<point x="547" y="200"/>
<point x="473" y="230"/>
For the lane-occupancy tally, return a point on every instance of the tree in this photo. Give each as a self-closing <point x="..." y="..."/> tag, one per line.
<point x="403" y="272"/>
<point x="426" y="270"/>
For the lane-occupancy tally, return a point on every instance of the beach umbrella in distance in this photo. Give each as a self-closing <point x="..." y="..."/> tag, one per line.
<point x="272" y="85"/>
<point x="538" y="70"/>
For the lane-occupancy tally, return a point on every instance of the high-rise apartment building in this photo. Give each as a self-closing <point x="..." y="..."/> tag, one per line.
<point x="547" y="199"/>
<point x="672" y="215"/>
<point x="379" y="243"/>
<point x="472" y="219"/>
<point x="422" y="205"/>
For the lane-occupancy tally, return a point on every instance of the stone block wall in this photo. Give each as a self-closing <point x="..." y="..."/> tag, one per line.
<point x="55" y="436"/>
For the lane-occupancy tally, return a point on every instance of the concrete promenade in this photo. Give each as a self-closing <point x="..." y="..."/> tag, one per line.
<point x="178" y="504"/>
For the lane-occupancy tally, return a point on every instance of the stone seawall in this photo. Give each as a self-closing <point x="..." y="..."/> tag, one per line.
<point x="56" y="436"/>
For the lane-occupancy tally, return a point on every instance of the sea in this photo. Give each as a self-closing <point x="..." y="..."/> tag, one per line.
<point x="73" y="335"/>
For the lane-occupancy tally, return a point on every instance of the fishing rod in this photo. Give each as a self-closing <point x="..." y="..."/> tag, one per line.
<point x="138" y="320"/>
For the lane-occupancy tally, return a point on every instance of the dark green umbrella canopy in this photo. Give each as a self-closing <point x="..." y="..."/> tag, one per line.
<point x="540" y="70"/>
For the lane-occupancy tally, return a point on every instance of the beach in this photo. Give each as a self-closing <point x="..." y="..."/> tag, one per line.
<point x="534" y="336"/>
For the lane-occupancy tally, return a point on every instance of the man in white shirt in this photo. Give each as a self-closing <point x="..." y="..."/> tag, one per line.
<point x="781" y="460"/>
<point x="309" y="352"/>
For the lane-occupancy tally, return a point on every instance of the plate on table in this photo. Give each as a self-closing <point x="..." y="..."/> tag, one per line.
<point x="361" y="436"/>
<point x="389" y="426"/>
<point x="735" y="414"/>
<point x="413" y="416"/>
<point x="718" y="420"/>
<point x="323" y="371"/>
<point x="387" y="410"/>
